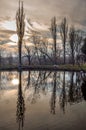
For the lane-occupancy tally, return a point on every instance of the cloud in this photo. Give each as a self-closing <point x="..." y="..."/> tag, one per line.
<point x="41" y="11"/>
<point x="44" y="10"/>
<point x="5" y="35"/>
<point x="4" y="42"/>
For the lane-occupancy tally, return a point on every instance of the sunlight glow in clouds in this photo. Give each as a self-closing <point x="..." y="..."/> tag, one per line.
<point x="11" y="44"/>
<point x="14" y="38"/>
<point x="9" y="25"/>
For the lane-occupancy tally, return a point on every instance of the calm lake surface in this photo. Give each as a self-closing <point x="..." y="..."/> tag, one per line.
<point x="42" y="100"/>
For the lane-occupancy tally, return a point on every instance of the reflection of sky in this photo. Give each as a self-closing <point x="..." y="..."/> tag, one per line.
<point x="9" y="81"/>
<point x="38" y="105"/>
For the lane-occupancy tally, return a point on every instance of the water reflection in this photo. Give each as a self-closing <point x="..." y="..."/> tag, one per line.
<point x="61" y="88"/>
<point x="75" y="94"/>
<point x="53" y="96"/>
<point x="63" y="96"/>
<point x="20" y="113"/>
<point x="83" y="88"/>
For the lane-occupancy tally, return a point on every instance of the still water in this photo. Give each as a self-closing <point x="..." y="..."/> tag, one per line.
<point x="40" y="100"/>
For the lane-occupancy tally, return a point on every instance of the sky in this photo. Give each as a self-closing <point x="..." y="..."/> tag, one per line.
<point x="41" y="11"/>
<point x="44" y="10"/>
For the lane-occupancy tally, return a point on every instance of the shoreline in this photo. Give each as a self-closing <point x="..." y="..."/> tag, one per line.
<point x="43" y="68"/>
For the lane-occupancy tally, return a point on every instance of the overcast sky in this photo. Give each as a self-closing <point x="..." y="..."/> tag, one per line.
<point x="39" y="11"/>
<point x="44" y="10"/>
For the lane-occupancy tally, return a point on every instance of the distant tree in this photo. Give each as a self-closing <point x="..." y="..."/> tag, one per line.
<point x="43" y="48"/>
<point x="28" y="54"/>
<point x="40" y="47"/>
<point x="36" y="41"/>
<point x="1" y="54"/>
<point x="54" y="35"/>
<point x="20" y="16"/>
<point x="10" y="59"/>
<point x="63" y="33"/>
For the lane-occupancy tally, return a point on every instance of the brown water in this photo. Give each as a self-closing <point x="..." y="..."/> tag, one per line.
<point x="42" y="101"/>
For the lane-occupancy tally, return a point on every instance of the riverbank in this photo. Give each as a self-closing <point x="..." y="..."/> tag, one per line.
<point x="45" y="68"/>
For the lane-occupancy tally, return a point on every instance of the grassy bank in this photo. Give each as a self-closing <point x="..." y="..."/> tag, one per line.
<point x="66" y="67"/>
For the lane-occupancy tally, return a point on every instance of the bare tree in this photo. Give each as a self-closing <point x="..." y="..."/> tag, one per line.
<point x="43" y="48"/>
<point x="63" y="33"/>
<point x="20" y="16"/>
<point x="54" y="35"/>
<point x="28" y="54"/>
<point x="40" y="47"/>
<point x="78" y="45"/>
<point x="36" y="41"/>
<point x="72" y="39"/>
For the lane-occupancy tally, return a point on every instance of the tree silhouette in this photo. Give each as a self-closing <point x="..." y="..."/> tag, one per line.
<point x="63" y="33"/>
<point x="54" y="35"/>
<point x="78" y="45"/>
<point x="20" y="24"/>
<point x="72" y="39"/>
<point x="28" y="54"/>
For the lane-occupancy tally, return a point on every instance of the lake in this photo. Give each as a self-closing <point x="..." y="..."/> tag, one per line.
<point x="42" y="100"/>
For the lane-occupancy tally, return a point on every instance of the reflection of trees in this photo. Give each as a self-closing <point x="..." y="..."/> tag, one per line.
<point x="6" y="79"/>
<point x="71" y="88"/>
<point x="0" y="77"/>
<point x="0" y="80"/>
<point x="63" y="96"/>
<point x="40" y="84"/>
<point x="72" y="93"/>
<point x="28" y="78"/>
<point x="20" y="105"/>
<point x="83" y="87"/>
<point x="78" y="88"/>
<point x="53" y="97"/>
<point x="37" y="82"/>
<point x="67" y="90"/>
<point x="75" y="94"/>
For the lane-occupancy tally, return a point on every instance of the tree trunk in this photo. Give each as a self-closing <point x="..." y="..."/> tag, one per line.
<point x="64" y="52"/>
<point x="20" y="52"/>
<point x="55" y="50"/>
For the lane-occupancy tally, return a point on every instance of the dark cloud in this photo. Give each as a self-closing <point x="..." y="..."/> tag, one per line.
<point x="4" y="41"/>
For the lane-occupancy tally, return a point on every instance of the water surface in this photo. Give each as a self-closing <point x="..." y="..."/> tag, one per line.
<point x="40" y="100"/>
